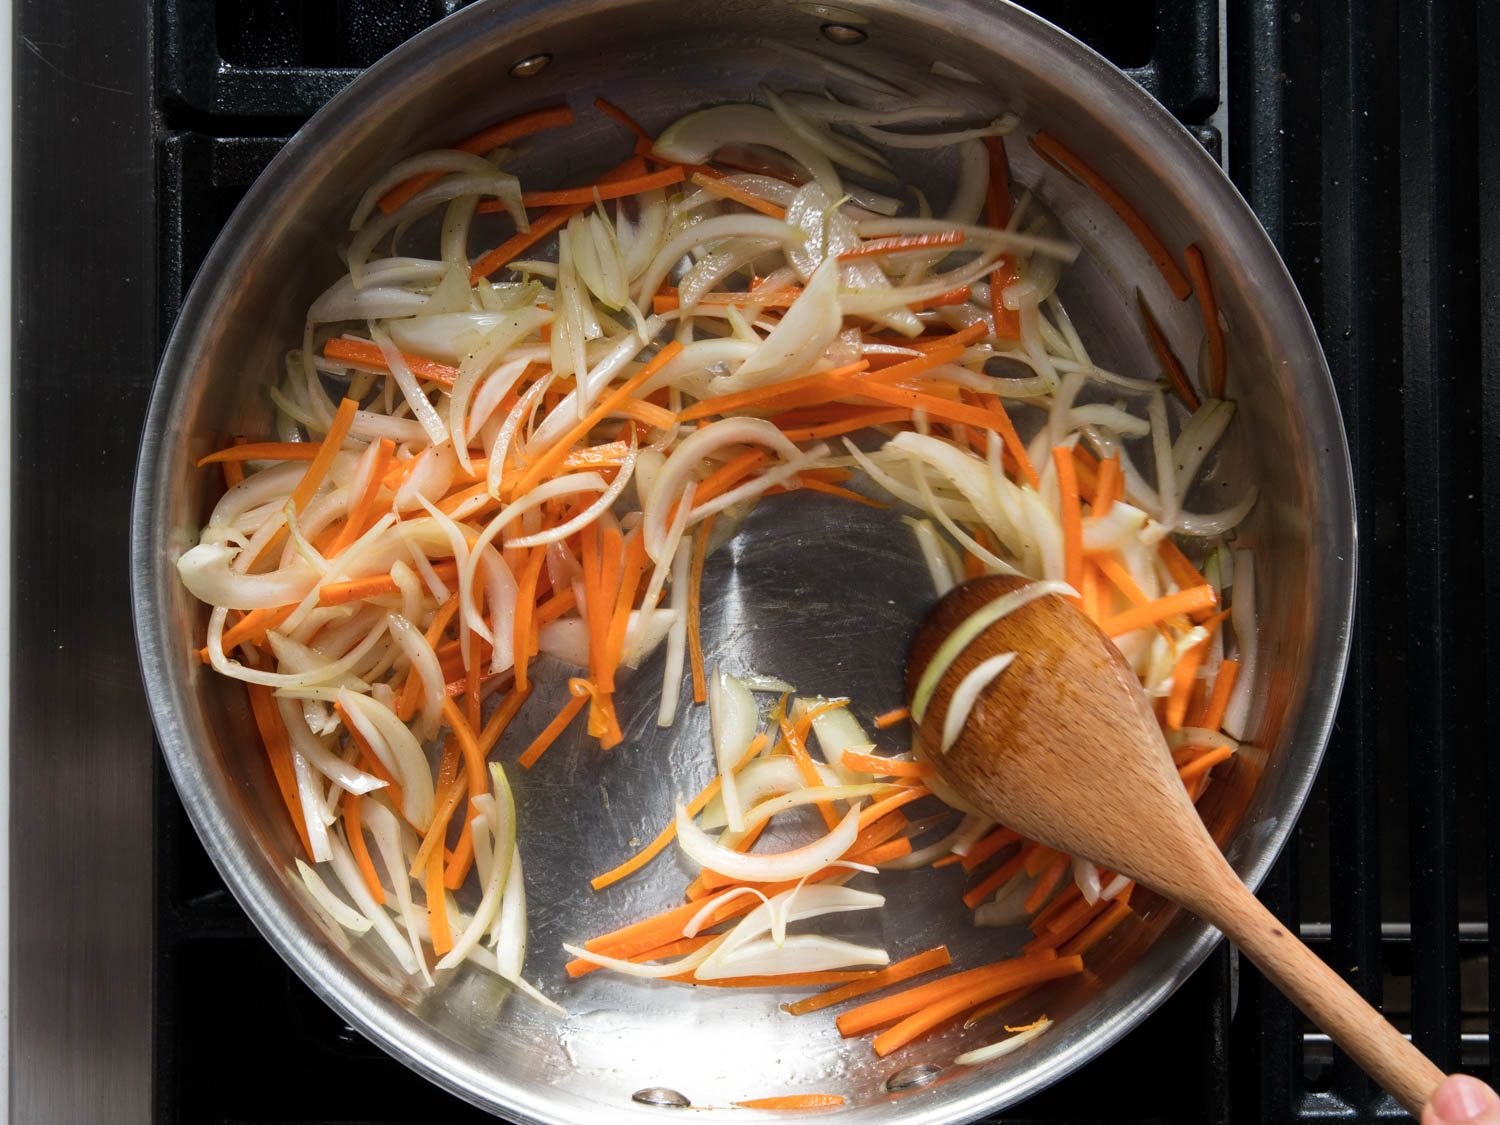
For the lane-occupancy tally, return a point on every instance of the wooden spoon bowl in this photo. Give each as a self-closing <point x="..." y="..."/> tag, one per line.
<point x="1063" y="747"/>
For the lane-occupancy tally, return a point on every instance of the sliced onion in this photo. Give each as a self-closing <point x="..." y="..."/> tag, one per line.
<point x="695" y="138"/>
<point x="970" y="628"/>
<point x="706" y="232"/>
<point x="387" y="831"/>
<point x="1246" y="636"/>
<point x="686" y="458"/>
<point x="1004" y="1046"/>
<point x="733" y="718"/>
<point x="635" y="969"/>
<point x="761" y="778"/>
<point x="340" y="911"/>
<point x="567" y="638"/>
<point x="503" y="827"/>
<point x="798" y="341"/>
<point x="765" y="868"/>
<point x="997" y="128"/>
<point x="799" y="953"/>
<point x="353" y="883"/>
<point x="398" y="750"/>
<point x="1086" y="876"/>
<point x="1206" y="525"/>
<point x="207" y="573"/>
<point x="811" y="795"/>
<point x="967" y="693"/>
<point x="938" y="564"/>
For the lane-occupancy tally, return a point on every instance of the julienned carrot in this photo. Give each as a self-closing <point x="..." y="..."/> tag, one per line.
<point x="437" y="904"/>
<point x="1108" y="485"/>
<point x="468" y="744"/>
<point x="997" y="213"/>
<point x="610" y="110"/>
<point x="531" y="572"/>
<point x="808" y="390"/>
<point x="813" y="484"/>
<point x="359" y="589"/>
<point x="552" y="730"/>
<point x="502" y="717"/>
<point x="891" y="718"/>
<point x="1137" y="617"/>
<point x="348" y="350"/>
<point x="1060" y="904"/>
<point x="354" y="830"/>
<point x="1060" y="155"/>
<point x="667" y="300"/>
<point x="1171" y="366"/>
<point x="889" y="1009"/>
<point x="1120" y="579"/>
<point x="903" y="796"/>
<point x="995" y="880"/>
<point x="1203" y="763"/>
<point x="274" y="738"/>
<point x="559" y="449"/>
<point x="635" y="567"/>
<point x="794" y="1101"/>
<point x="517" y="243"/>
<point x="957" y="296"/>
<point x="989" y="847"/>
<point x="938" y="409"/>
<point x="328" y="449"/>
<point x="695" y="608"/>
<point x="1023" y="971"/>
<point x="1095" y="932"/>
<point x="234" y="471"/>
<point x="728" y="475"/>
<point x="915" y="966"/>
<point x="669" y="833"/>
<point x="616" y="190"/>
<point x="739" y="195"/>
<point x="363" y="512"/>
<point x="554" y="607"/>
<point x="1070" y="510"/>
<point x="263" y="451"/>
<point x="1203" y="286"/>
<point x="884" y="767"/>
<point x="1185" y="675"/>
<point x="814" y="979"/>
<point x="807" y="770"/>
<point x="486" y="140"/>
<point x="1218" y="702"/>
<point x="1047" y="881"/>
<point x="903" y="244"/>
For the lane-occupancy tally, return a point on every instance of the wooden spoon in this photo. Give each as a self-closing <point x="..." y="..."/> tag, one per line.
<point x="1064" y="748"/>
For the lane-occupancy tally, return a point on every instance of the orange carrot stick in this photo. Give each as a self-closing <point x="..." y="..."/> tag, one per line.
<point x="559" y="449"/>
<point x="610" y="110"/>
<point x="553" y="729"/>
<point x="891" y="718"/>
<point x="1045" y="884"/>
<point x="884" y="767"/>
<point x="807" y="770"/>
<point x="994" y="880"/>
<point x="1218" y="702"/>
<point x="1203" y="286"/>
<point x="804" y="391"/>
<point x="903" y="244"/>
<point x="889" y="1009"/>
<point x="1071" y="512"/>
<point x="1108" y="486"/>
<point x="794" y="1101"/>
<point x="541" y="227"/>
<point x="437" y="904"/>
<point x="1171" y="366"/>
<point x="1022" y="971"/>
<point x="915" y="966"/>
<point x="357" y="848"/>
<point x="263" y="451"/>
<point x="358" y="589"/>
<point x="1183" y="601"/>
<point x="332" y="442"/>
<point x="278" y="748"/>
<point x="366" y="354"/>
<point x="1203" y="763"/>
<point x="616" y="190"/>
<point x="1059" y="155"/>
<point x="739" y="195"/>
<point x="988" y="847"/>
<point x="1095" y="931"/>
<point x="997" y="213"/>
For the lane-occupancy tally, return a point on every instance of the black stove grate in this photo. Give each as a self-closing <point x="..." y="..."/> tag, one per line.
<point x="1354" y="131"/>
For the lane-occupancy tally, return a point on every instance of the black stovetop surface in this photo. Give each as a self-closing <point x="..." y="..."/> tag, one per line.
<point x="1364" y="136"/>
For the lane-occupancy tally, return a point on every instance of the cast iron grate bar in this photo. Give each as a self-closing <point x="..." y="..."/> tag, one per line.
<point x="1436" y="235"/>
<point x="1487" y="146"/>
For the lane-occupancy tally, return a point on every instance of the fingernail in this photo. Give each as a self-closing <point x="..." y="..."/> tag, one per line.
<point x="1460" y="1098"/>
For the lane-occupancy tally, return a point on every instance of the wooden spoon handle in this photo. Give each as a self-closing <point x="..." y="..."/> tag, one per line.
<point x="1324" y="996"/>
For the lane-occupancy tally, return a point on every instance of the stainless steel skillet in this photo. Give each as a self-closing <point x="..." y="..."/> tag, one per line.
<point x="817" y="593"/>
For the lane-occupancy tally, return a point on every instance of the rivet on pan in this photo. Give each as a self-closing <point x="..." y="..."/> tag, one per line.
<point x="530" y="66"/>
<point x="910" y="1077"/>
<point x="843" y="34"/>
<point x="662" y="1096"/>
